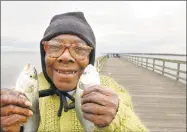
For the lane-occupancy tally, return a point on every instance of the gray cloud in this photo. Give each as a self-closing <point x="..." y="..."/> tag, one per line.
<point x="122" y="26"/>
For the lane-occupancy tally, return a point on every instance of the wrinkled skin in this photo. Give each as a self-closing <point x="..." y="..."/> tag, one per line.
<point x="13" y="113"/>
<point x="99" y="104"/>
<point x="65" y="62"/>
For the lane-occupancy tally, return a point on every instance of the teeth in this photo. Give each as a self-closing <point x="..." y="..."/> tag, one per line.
<point x="73" y="72"/>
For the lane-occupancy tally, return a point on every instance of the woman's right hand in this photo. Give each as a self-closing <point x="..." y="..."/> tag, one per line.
<point x="14" y="110"/>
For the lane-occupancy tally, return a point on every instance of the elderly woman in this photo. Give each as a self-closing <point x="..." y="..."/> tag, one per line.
<point x="67" y="47"/>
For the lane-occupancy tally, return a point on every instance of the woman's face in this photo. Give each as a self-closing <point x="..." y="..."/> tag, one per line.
<point x="65" y="70"/>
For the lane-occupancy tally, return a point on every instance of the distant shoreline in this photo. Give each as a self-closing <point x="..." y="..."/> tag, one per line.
<point x="20" y="51"/>
<point x="164" y="54"/>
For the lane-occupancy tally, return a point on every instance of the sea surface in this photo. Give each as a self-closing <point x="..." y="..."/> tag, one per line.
<point x="12" y="63"/>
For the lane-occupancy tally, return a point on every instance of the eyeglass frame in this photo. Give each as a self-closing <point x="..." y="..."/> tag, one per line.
<point x="89" y="48"/>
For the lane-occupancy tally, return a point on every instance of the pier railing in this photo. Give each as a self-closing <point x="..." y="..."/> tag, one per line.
<point x="99" y="62"/>
<point x="152" y="63"/>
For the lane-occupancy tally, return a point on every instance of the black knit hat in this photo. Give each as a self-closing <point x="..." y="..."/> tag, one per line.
<point x="69" y="23"/>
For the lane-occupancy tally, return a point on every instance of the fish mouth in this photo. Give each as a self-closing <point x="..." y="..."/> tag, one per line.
<point x="66" y="71"/>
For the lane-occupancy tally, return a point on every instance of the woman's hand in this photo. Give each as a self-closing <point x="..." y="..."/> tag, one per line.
<point x="99" y="105"/>
<point x="14" y="110"/>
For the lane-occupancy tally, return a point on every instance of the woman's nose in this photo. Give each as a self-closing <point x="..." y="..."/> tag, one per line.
<point x="65" y="57"/>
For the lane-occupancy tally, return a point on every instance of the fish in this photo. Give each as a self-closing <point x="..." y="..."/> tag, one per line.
<point x="89" y="77"/>
<point x="27" y="83"/>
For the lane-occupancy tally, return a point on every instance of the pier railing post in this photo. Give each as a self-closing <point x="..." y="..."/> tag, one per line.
<point x="132" y="59"/>
<point x="163" y="67"/>
<point x="138" y="61"/>
<point x="178" y="71"/>
<point x="153" y="64"/>
<point x="146" y="62"/>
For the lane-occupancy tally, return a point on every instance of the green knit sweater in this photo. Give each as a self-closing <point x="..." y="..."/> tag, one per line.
<point x="124" y="121"/>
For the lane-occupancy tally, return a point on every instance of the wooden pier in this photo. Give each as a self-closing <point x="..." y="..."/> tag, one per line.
<point x="159" y="101"/>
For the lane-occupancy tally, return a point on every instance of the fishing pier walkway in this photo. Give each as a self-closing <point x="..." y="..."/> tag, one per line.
<point x="159" y="101"/>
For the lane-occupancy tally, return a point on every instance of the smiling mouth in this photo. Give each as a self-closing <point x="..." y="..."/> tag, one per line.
<point x="65" y="72"/>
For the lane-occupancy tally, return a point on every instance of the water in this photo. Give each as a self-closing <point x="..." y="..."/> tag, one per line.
<point x="13" y="62"/>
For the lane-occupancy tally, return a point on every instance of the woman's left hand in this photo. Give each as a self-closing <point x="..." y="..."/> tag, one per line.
<point x="99" y="105"/>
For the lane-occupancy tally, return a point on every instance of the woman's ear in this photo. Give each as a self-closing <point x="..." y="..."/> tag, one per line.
<point x="45" y="45"/>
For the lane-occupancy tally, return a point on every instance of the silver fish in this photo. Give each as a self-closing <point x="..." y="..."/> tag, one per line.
<point x="27" y="83"/>
<point x="89" y="78"/>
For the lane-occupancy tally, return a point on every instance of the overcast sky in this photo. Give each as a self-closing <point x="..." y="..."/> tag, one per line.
<point x="123" y="26"/>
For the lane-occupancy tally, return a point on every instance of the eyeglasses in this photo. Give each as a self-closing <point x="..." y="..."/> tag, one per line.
<point x="78" y="50"/>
